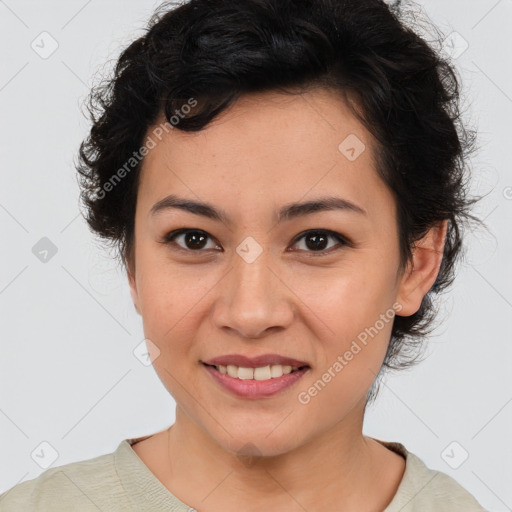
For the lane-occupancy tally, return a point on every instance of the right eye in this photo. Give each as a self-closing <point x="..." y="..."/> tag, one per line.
<point x="190" y="240"/>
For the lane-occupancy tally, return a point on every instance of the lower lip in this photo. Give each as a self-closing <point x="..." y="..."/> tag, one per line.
<point x="251" y="388"/>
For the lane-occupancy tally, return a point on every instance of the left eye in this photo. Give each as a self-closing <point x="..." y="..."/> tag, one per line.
<point x="318" y="240"/>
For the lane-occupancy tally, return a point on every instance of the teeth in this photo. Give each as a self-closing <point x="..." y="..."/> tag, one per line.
<point x="232" y="370"/>
<point x="262" y="373"/>
<point x="245" y="373"/>
<point x="276" y="371"/>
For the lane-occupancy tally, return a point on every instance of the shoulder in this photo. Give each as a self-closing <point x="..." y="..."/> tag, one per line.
<point x="88" y="485"/>
<point x="427" y="490"/>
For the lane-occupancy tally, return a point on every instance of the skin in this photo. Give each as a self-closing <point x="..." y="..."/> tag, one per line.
<point x="266" y="151"/>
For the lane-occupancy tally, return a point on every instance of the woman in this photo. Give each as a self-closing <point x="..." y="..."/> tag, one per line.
<point x="285" y="183"/>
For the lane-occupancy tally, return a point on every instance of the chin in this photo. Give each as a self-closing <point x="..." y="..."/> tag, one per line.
<point x="257" y="442"/>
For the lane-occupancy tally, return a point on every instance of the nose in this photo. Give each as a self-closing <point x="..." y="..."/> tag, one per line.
<point x="253" y="300"/>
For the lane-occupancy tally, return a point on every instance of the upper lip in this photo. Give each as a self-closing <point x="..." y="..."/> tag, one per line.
<point x="254" y="362"/>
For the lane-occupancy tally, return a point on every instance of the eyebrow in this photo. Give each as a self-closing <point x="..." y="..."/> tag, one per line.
<point x="287" y="212"/>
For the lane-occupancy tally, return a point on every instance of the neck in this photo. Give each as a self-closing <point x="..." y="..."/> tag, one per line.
<point x="340" y="464"/>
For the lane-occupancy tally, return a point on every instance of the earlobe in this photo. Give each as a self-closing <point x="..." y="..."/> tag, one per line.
<point x="422" y="270"/>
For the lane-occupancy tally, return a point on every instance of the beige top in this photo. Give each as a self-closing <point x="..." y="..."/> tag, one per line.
<point x="121" y="482"/>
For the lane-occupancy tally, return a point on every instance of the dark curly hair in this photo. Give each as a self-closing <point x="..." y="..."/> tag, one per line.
<point x="407" y="96"/>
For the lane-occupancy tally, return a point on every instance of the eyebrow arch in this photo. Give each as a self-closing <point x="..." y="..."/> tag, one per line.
<point x="286" y="213"/>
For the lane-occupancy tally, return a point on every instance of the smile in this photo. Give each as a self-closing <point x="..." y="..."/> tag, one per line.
<point x="261" y="373"/>
<point x="260" y="382"/>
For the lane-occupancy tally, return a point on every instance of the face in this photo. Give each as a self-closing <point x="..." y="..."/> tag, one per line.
<point x="259" y="277"/>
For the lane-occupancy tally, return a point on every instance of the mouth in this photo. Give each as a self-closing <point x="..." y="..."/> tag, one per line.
<point x="251" y="379"/>
<point x="261" y="373"/>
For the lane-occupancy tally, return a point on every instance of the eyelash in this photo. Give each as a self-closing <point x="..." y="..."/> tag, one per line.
<point x="343" y="242"/>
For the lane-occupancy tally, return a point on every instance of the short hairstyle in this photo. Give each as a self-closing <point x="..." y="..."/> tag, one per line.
<point x="406" y="93"/>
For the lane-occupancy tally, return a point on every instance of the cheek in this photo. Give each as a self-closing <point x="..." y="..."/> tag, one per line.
<point x="358" y="312"/>
<point x="347" y="299"/>
<point x="352" y="309"/>
<point x="166" y="290"/>
<point x="173" y="300"/>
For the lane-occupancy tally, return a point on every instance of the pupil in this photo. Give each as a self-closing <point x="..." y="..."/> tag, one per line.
<point x="318" y="241"/>
<point x="195" y="240"/>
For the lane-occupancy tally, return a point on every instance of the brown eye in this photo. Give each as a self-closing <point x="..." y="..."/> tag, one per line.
<point x="190" y="239"/>
<point x="318" y="241"/>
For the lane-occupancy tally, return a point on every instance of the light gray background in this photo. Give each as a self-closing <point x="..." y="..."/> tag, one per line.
<point x="68" y="375"/>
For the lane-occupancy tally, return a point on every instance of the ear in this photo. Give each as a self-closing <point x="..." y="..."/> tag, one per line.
<point x="130" y="270"/>
<point x="422" y="270"/>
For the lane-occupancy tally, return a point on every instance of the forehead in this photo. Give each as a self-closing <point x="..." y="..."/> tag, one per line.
<point x="268" y="146"/>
